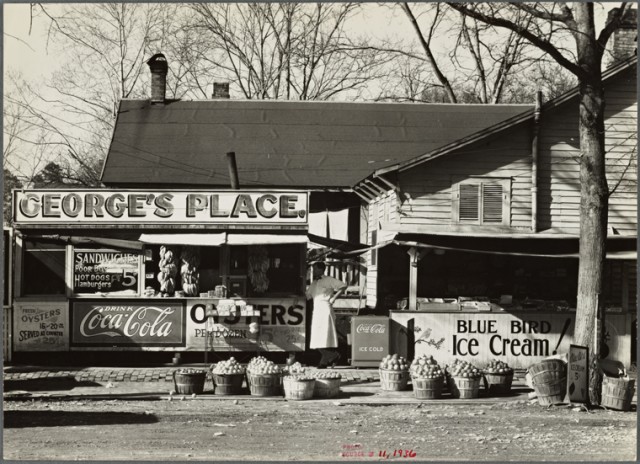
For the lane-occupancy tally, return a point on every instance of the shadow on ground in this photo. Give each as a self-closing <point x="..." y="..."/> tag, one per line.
<point x="23" y="419"/>
<point x="48" y="384"/>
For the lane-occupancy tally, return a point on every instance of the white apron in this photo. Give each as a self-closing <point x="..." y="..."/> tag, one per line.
<point x="323" y="321"/>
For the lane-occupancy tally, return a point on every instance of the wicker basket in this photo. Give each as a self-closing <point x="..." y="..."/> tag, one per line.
<point x="188" y="383"/>
<point x="498" y="384"/>
<point x="265" y="384"/>
<point x="617" y="393"/>
<point x="549" y="379"/>
<point x="326" y="388"/>
<point x="465" y="387"/>
<point x="393" y="380"/>
<point x="228" y="384"/>
<point x="298" y="389"/>
<point x="427" y="388"/>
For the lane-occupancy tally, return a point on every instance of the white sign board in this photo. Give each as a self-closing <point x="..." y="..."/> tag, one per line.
<point x="109" y="206"/>
<point x="578" y="374"/>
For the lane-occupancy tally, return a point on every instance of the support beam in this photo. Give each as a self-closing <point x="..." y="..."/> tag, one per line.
<point x="391" y="186"/>
<point x="415" y="255"/>
<point x="363" y="196"/>
<point x="380" y="190"/>
<point x="369" y="190"/>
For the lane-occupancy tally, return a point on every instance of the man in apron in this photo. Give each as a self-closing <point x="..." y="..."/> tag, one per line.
<point x="324" y="290"/>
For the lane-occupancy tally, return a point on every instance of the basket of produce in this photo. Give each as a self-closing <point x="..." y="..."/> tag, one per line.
<point x="427" y="378"/>
<point x="189" y="381"/>
<point x="394" y="373"/>
<point x="327" y="384"/>
<point x="295" y="368"/>
<point x="264" y="377"/>
<point x="549" y="379"/>
<point x="465" y="380"/>
<point x="298" y="386"/>
<point x="617" y="393"/>
<point x="228" y="377"/>
<point x="498" y="377"/>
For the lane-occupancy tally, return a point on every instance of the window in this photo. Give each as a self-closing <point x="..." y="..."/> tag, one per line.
<point x="44" y="268"/>
<point x="482" y="201"/>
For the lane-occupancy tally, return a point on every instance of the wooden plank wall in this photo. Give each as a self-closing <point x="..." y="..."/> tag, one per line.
<point x="6" y="336"/>
<point x="559" y="184"/>
<point x="428" y="187"/>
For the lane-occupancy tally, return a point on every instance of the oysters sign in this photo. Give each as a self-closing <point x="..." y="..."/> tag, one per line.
<point x="127" y="323"/>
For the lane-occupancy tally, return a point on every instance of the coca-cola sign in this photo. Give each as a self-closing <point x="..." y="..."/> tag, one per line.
<point x="370" y="328"/>
<point x="127" y="323"/>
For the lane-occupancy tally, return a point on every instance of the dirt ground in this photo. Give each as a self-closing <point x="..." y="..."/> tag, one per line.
<point x="194" y="429"/>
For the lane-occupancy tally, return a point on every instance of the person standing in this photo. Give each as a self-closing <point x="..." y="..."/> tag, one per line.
<point x="324" y="290"/>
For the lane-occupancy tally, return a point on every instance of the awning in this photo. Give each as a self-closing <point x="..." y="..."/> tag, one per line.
<point x="184" y="239"/>
<point x="76" y="240"/>
<point x="265" y="239"/>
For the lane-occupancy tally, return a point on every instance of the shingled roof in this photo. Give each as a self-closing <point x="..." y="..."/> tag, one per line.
<point x="281" y="143"/>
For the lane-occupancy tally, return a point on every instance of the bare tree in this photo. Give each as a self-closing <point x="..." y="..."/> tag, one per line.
<point x="548" y="23"/>
<point x="287" y="50"/>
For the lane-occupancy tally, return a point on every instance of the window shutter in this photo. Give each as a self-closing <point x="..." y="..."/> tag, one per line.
<point x="469" y="204"/>
<point x="492" y="203"/>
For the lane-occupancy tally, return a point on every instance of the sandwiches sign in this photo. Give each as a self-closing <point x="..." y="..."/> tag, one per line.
<point x="159" y="207"/>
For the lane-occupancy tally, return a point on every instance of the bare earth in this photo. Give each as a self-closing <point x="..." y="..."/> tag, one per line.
<point x="195" y="429"/>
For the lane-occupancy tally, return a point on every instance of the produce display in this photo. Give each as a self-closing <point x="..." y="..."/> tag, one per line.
<point x="230" y="366"/>
<point x="260" y="365"/>
<point x="258" y="267"/>
<point x="328" y="375"/>
<point x="189" y="270"/>
<point x="168" y="272"/>
<point x="465" y="369"/>
<point x="393" y="362"/>
<point x="498" y="367"/>
<point x="300" y="377"/>
<point x="426" y="367"/>
<point x="295" y="368"/>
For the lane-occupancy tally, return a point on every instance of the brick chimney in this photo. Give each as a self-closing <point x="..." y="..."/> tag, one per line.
<point x="158" y="66"/>
<point x="220" y="90"/>
<point x="623" y="43"/>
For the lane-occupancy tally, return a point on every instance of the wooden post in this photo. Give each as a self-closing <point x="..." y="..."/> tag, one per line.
<point x="233" y="170"/>
<point x="415" y="256"/>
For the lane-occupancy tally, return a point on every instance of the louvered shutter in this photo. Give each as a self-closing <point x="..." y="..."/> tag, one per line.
<point x="469" y="202"/>
<point x="491" y="204"/>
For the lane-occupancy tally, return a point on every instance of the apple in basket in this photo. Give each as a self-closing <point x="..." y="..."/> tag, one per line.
<point x="465" y="369"/>
<point x="295" y="368"/>
<point x="263" y="366"/>
<point x="301" y="377"/>
<point x="328" y="375"/>
<point x="394" y="362"/>
<point x="425" y="367"/>
<point x="498" y="367"/>
<point x="228" y="367"/>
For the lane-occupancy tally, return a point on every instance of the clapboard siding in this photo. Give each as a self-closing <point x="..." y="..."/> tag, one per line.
<point x="427" y="187"/>
<point x="559" y="171"/>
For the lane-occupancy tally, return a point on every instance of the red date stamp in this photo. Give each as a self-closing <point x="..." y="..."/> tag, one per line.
<point x="356" y="450"/>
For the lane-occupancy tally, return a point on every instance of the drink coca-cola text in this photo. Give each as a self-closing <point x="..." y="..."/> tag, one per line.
<point x="142" y="321"/>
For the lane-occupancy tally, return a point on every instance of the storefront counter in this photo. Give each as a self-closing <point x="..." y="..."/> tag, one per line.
<point x="159" y="324"/>
<point x="520" y="338"/>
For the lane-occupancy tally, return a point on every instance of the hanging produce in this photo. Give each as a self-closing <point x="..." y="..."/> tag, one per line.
<point x="189" y="270"/>
<point x="258" y="267"/>
<point x="168" y="272"/>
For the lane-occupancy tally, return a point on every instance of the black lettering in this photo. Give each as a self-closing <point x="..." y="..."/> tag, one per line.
<point x="263" y="314"/>
<point x="296" y="312"/>
<point x="277" y="313"/>
<point x="194" y="314"/>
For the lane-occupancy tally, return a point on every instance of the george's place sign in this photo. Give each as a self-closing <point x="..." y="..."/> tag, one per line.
<point x="159" y="207"/>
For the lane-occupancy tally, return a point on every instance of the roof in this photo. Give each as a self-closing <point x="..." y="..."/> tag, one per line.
<point x="281" y="143"/>
<point x="568" y="96"/>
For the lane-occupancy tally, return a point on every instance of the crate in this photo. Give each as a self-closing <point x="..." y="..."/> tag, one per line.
<point x="298" y="389"/>
<point x="393" y="380"/>
<point x="427" y="389"/>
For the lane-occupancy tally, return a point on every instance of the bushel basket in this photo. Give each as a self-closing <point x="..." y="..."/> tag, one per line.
<point x="265" y="384"/>
<point x="188" y="383"/>
<point x="617" y="393"/>
<point x="298" y="389"/>
<point x="427" y="389"/>
<point x="393" y="380"/>
<point x="498" y="384"/>
<point x="465" y="387"/>
<point x="549" y="378"/>
<point x="228" y="384"/>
